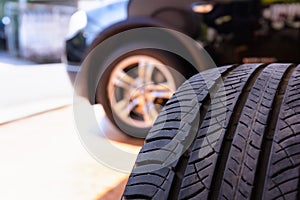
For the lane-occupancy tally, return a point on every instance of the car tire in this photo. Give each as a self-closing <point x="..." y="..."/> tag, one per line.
<point x="178" y="67"/>
<point x="144" y="96"/>
<point x="227" y="133"/>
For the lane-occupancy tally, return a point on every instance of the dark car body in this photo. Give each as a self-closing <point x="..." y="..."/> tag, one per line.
<point x="260" y="26"/>
<point x="94" y="21"/>
<point x="118" y="77"/>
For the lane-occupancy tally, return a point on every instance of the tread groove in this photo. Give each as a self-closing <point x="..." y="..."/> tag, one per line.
<point x="237" y="138"/>
<point x="226" y="145"/>
<point x="286" y="133"/>
<point x="266" y="84"/>
<point x="183" y="161"/>
<point x="178" y="133"/>
<point x="298" y="195"/>
<point x="263" y="160"/>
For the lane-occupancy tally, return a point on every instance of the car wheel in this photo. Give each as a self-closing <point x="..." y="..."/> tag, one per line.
<point x="228" y="133"/>
<point x="137" y="85"/>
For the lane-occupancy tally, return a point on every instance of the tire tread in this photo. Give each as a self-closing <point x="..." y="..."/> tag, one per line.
<point x="245" y="141"/>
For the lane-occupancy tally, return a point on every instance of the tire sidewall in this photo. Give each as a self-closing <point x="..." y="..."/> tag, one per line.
<point x="106" y="52"/>
<point x="176" y="67"/>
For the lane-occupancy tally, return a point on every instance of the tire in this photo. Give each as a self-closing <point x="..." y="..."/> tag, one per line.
<point x="171" y="65"/>
<point x="143" y="98"/>
<point x="122" y="26"/>
<point x="228" y="133"/>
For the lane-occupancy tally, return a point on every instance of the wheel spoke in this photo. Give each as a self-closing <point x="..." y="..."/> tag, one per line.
<point x="123" y="80"/>
<point x="149" y="113"/>
<point x="121" y="105"/>
<point x="146" y="115"/>
<point x="133" y="96"/>
<point x="149" y="72"/>
<point x="132" y="105"/>
<point x="158" y="87"/>
<point x="125" y="107"/>
<point x="142" y="70"/>
<point x="152" y="111"/>
<point x="167" y="94"/>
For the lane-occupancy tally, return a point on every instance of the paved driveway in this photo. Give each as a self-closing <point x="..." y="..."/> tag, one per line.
<point x="42" y="158"/>
<point x="27" y="88"/>
<point x="41" y="154"/>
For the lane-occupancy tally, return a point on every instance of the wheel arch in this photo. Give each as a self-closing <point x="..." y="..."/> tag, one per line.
<point x="91" y="72"/>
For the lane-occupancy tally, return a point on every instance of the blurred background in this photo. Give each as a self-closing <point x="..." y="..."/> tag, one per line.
<point x="41" y="154"/>
<point x="40" y="151"/>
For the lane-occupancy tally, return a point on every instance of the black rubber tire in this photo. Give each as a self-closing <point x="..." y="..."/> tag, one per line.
<point x="179" y="68"/>
<point x="252" y="151"/>
<point x="122" y="26"/>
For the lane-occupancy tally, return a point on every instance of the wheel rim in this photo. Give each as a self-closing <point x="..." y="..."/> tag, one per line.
<point x="138" y="87"/>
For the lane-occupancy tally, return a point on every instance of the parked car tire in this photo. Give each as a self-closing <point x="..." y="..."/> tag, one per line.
<point x="228" y="133"/>
<point x="119" y="27"/>
<point x="137" y="85"/>
<point x="134" y="109"/>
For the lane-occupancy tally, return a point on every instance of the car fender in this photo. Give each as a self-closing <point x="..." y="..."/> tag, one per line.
<point x="90" y="74"/>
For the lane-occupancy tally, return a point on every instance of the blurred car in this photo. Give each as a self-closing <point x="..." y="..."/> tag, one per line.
<point x="231" y="32"/>
<point x="2" y="36"/>
<point x="85" y="26"/>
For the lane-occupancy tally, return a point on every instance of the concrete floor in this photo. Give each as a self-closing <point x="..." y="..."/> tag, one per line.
<point x="42" y="158"/>
<point x="27" y="88"/>
<point x="41" y="153"/>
